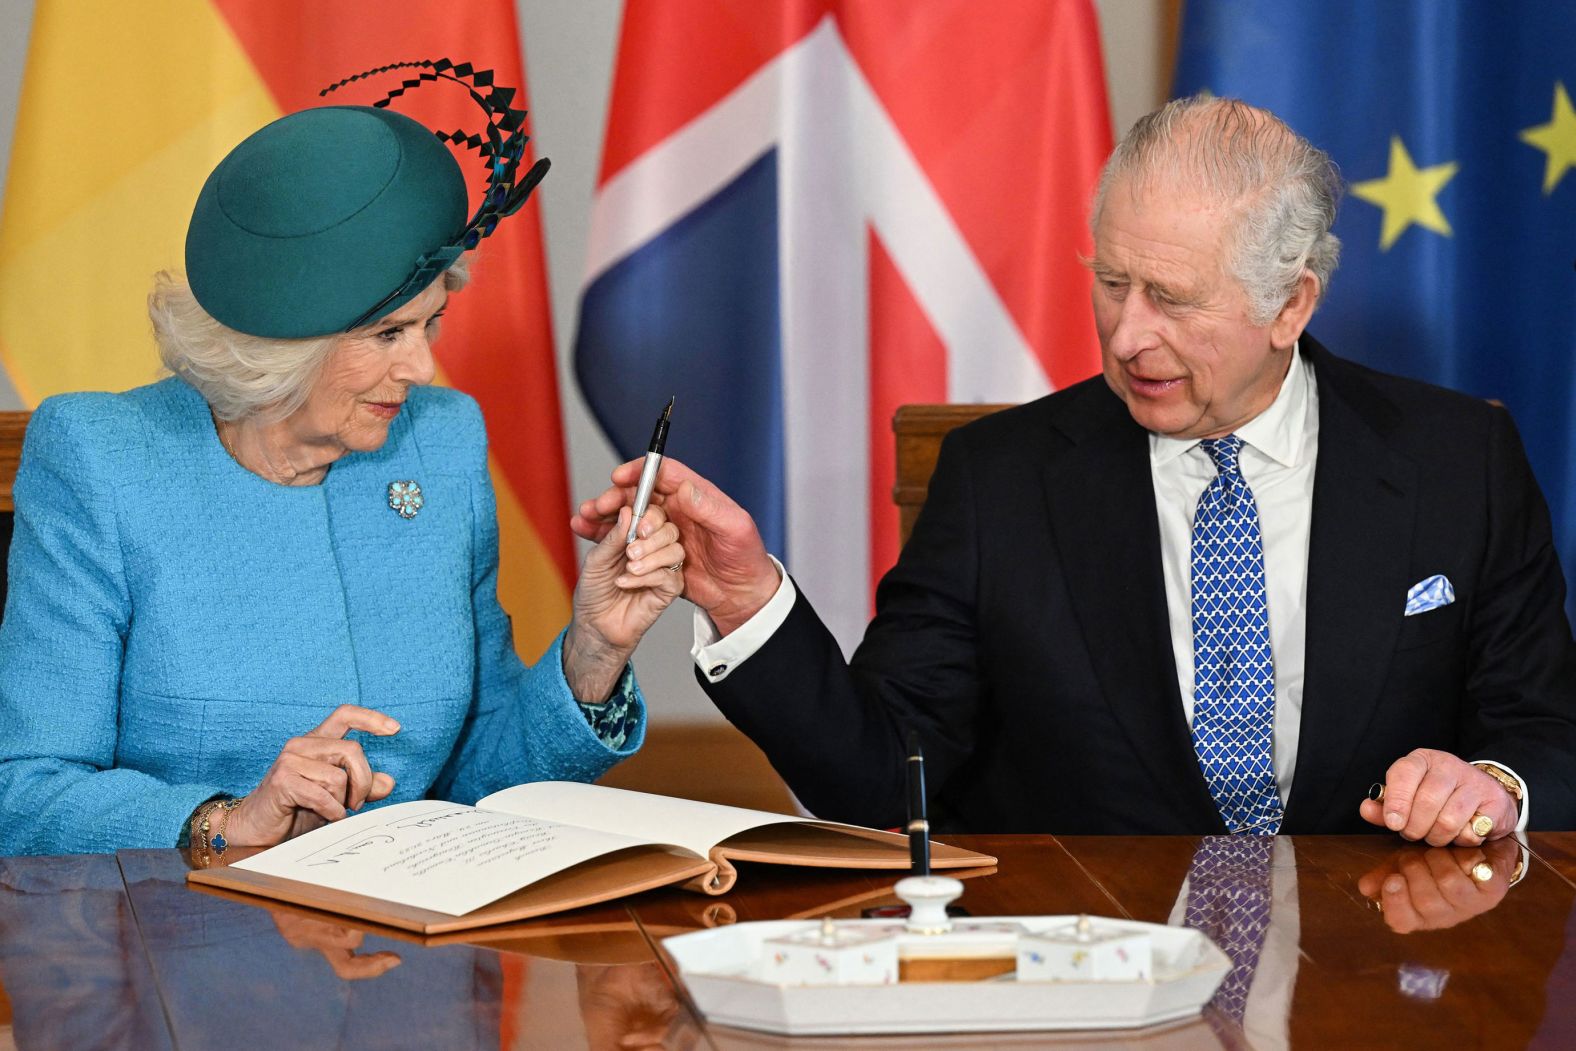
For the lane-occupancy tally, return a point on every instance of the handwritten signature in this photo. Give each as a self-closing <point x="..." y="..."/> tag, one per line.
<point x="378" y="839"/>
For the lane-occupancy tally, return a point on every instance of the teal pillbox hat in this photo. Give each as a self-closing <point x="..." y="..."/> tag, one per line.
<point x="314" y="220"/>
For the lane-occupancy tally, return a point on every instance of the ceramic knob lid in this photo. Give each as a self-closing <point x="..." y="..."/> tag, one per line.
<point x="928" y="898"/>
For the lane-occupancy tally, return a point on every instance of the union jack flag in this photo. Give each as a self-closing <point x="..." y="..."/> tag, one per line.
<point x="809" y="213"/>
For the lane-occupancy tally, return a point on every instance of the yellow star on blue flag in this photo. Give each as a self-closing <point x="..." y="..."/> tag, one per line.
<point x="1407" y="194"/>
<point x="1557" y="139"/>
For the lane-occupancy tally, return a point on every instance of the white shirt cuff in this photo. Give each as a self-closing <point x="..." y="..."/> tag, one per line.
<point x="716" y="656"/>
<point x="1526" y="793"/>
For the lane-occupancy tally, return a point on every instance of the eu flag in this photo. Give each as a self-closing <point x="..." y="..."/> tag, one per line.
<point x="1454" y="130"/>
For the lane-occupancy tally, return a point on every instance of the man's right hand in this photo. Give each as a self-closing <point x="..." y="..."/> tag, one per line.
<point x="727" y="572"/>
<point x="317" y="778"/>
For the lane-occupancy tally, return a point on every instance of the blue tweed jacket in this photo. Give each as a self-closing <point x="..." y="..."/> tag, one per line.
<point x="173" y="619"/>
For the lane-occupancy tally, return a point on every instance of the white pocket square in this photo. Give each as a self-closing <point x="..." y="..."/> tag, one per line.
<point x="1429" y="594"/>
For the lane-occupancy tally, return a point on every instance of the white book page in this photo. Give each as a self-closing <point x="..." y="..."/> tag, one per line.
<point x="648" y="818"/>
<point x="446" y="857"/>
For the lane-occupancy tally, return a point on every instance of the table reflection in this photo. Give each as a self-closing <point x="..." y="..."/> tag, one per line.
<point x="71" y="960"/>
<point x="1404" y="944"/>
<point x="96" y="953"/>
<point x="1434" y="888"/>
<point x="226" y="969"/>
<point x="1242" y="891"/>
<point x="341" y="947"/>
<point x="1252" y="900"/>
<point x="628" y="1006"/>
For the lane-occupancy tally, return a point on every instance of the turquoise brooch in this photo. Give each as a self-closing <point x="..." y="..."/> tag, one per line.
<point x="405" y="498"/>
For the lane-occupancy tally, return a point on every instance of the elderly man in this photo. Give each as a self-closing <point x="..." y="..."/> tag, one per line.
<point x="1229" y="586"/>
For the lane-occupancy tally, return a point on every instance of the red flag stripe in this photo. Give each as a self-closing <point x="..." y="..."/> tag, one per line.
<point x="908" y="363"/>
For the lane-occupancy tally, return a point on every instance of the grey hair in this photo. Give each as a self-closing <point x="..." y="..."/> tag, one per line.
<point x="1284" y="189"/>
<point x="242" y="376"/>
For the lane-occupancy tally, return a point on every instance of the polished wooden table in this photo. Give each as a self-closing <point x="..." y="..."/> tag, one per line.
<point x="1357" y="942"/>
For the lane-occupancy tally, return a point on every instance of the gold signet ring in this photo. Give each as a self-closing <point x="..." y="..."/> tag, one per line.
<point x="1482" y="872"/>
<point x="1376" y="792"/>
<point x="1482" y="824"/>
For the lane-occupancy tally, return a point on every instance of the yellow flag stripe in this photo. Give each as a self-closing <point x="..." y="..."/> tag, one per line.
<point x="110" y="86"/>
<point x="97" y="202"/>
<point x="529" y="584"/>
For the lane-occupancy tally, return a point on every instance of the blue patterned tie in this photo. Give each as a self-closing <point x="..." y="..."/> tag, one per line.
<point x="1233" y="670"/>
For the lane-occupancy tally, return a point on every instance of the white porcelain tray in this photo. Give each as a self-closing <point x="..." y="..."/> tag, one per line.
<point x="719" y="967"/>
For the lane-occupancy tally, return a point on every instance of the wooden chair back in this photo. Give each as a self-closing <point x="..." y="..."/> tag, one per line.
<point x="918" y="430"/>
<point x="12" y="426"/>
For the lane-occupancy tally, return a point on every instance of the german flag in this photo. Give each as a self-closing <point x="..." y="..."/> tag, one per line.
<point x="125" y="109"/>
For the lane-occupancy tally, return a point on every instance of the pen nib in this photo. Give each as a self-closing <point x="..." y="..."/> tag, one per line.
<point x="668" y="412"/>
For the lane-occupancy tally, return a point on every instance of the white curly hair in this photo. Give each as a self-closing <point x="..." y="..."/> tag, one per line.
<point x="243" y="376"/>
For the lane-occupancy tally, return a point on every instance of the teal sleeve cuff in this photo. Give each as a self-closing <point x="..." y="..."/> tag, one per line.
<point x="616" y="719"/>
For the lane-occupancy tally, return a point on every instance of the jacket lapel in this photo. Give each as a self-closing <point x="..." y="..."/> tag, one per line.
<point x="1358" y="547"/>
<point x="1101" y="501"/>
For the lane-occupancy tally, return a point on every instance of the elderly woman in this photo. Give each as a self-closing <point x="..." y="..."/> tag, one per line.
<point x="262" y="592"/>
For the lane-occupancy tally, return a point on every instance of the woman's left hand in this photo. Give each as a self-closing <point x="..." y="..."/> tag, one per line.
<point x="622" y="591"/>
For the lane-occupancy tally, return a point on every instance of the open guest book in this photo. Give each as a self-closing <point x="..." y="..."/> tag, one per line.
<point x="430" y="867"/>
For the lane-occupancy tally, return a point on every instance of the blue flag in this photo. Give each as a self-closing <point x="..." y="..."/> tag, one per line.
<point x="1454" y="130"/>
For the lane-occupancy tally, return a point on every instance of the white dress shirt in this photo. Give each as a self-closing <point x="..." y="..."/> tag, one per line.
<point x="1280" y="449"/>
<point x="716" y="656"/>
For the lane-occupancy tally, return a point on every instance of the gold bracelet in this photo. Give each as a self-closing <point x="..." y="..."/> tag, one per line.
<point x="219" y="843"/>
<point x="1507" y="782"/>
<point x="199" y="832"/>
<point x="200" y="827"/>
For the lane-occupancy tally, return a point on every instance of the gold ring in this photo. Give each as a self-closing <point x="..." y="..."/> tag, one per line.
<point x="675" y="567"/>
<point x="1482" y="872"/>
<point x="1482" y="824"/>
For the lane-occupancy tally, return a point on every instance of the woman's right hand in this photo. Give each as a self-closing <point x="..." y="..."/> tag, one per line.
<point x="317" y="778"/>
<point x="726" y="570"/>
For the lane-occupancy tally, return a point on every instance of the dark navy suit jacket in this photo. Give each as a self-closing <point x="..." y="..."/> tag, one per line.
<point x="1024" y="631"/>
